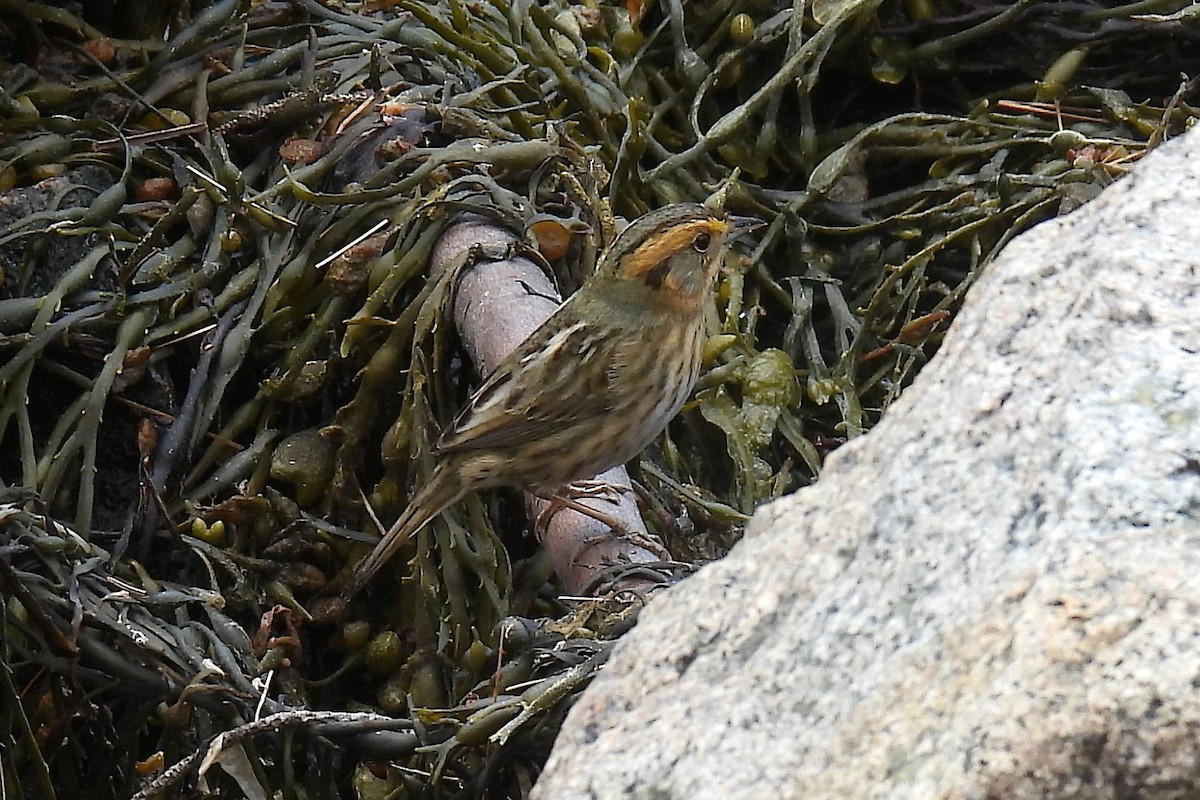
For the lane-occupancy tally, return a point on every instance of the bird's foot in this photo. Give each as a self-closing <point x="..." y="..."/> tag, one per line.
<point x="617" y="529"/>
<point x="592" y="488"/>
<point x="559" y="500"/>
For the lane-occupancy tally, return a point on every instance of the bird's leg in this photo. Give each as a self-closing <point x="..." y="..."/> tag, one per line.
<point x="559" y="500"/>
<point x="565" y="497"/>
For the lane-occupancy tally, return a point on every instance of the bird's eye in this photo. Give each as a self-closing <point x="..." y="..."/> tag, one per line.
<point x="701" y="243"/>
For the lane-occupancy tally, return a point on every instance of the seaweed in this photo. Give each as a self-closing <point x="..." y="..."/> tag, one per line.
<point x="227" y="336"/>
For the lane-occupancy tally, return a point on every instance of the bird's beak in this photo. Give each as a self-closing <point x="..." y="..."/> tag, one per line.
<point x="742" y="226"/>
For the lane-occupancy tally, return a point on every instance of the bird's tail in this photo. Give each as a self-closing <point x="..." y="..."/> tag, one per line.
<point x="442" y="489"/>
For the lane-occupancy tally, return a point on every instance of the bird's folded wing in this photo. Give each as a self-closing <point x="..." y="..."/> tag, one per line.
<point x="554" y="379"/>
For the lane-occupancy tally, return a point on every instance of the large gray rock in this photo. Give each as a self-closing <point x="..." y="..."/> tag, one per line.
<point x="994" y="594"/>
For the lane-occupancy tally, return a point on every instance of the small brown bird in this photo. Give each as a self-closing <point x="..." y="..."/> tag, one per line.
<point x="592" y="386"/>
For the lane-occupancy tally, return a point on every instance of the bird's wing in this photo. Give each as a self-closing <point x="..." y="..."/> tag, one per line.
<point x="554" y="379"/>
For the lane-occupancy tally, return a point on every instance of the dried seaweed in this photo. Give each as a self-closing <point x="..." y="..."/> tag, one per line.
<point x="223" y="356"/>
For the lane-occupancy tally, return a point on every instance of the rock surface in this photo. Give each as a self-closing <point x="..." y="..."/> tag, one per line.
<point x="994" y="594"/>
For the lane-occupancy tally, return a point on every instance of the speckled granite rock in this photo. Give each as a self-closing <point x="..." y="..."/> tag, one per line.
<point x="994" y="594"/>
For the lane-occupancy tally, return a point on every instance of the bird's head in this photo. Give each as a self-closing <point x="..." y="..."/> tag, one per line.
<point x="671" y="255"/>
